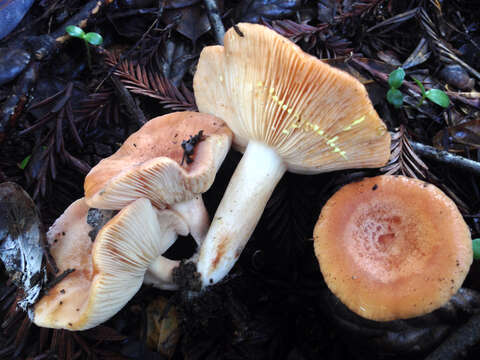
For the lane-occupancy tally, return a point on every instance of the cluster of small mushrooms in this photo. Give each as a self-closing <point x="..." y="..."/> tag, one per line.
<point x="383" y="244"/>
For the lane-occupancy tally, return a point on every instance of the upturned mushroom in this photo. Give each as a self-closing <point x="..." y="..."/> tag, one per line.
<point x="291" y="112"/>
<point x="152" y="164"/>
<point x="109" y="271"/>
<point x="392" y="247"/>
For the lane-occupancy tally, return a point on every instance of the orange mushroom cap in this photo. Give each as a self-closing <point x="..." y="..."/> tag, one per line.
<point x="392" y="247"/>
<point x="149" y="163"/>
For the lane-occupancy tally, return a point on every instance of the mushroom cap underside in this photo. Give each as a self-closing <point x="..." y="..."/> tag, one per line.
<point x="149" y="163"/>
<point x="109" y="271"/>
<point x="318" y="118"/>
<point x="64" y="305"/>
<point x="392" y="247"/>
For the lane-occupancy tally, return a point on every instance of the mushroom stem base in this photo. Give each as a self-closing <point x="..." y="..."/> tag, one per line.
<point x="159" y="273"/>
<point x="242" y="205"/>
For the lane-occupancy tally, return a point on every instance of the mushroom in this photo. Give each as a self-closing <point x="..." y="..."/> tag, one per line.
<point x="151" y="164"/>
<point x="392" y="247"/>
<point x="291" y="112"/>
<point x="108" y="272"/>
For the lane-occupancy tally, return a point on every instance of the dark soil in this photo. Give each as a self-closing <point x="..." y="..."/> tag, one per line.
<point x="58" y="118"/>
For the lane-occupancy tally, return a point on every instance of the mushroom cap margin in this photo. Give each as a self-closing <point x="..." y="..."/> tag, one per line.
<point x="318" y="118"/>
<point x="392" y="247"/>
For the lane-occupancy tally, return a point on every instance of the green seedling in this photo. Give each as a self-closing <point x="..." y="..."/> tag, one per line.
<point x="395" y="96"/>
<point x="395" y="79"/>
<point x="24" y="162"/>
<point x="91" y="38"/>
<point x="434" y="95"/>
<point x="476" y="248"/>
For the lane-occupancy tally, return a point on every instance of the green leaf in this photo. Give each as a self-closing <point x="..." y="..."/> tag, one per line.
<point x="75" y="31"/>
<point x="395" y="97"/>
<point x="438" y="97"/>
<point x="396" y="77"/>
<point x="24" y="162"/>
<point x="476" y="249"/>
<point x="420" y="85"/>
<point x="93" y="38"/>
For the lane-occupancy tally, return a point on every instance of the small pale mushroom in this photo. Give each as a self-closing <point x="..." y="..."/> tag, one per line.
<point x="109" y="271"/>
<point x="392" y="247"/>
<point x="291" y="112"/>
<point x="151" y="164"/>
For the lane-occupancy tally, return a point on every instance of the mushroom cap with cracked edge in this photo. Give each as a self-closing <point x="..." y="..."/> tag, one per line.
<point x="148" y="163"/>
<point x="109" y="271"/>
<point x="317" y="118"/>
<point x="392" y="247"/>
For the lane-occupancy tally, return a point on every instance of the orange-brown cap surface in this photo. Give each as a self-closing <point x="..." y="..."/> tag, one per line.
<point x="392" y="247"/>
<point x="148" y="164"/>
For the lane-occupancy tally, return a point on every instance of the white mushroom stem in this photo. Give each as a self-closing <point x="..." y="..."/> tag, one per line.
<point x="159" y="273"/>
<point x="195" y="215"/>
<point x="250" y="187"/>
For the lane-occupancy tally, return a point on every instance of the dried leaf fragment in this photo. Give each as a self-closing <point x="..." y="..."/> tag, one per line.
<point x="20" y="248"/>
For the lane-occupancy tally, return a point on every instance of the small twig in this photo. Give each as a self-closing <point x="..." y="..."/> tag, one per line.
<point x="460" y="341"/>
<point x="215" y="20"/>
<point x="127" y="99"/>
<point x="446" y="157"/>
<point x="56" y="280"/>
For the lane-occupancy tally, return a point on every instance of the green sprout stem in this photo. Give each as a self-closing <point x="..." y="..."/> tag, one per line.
<point x="92" y="38"/>
<point x="422" y="89"/>
<point x="89" y="59"/>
